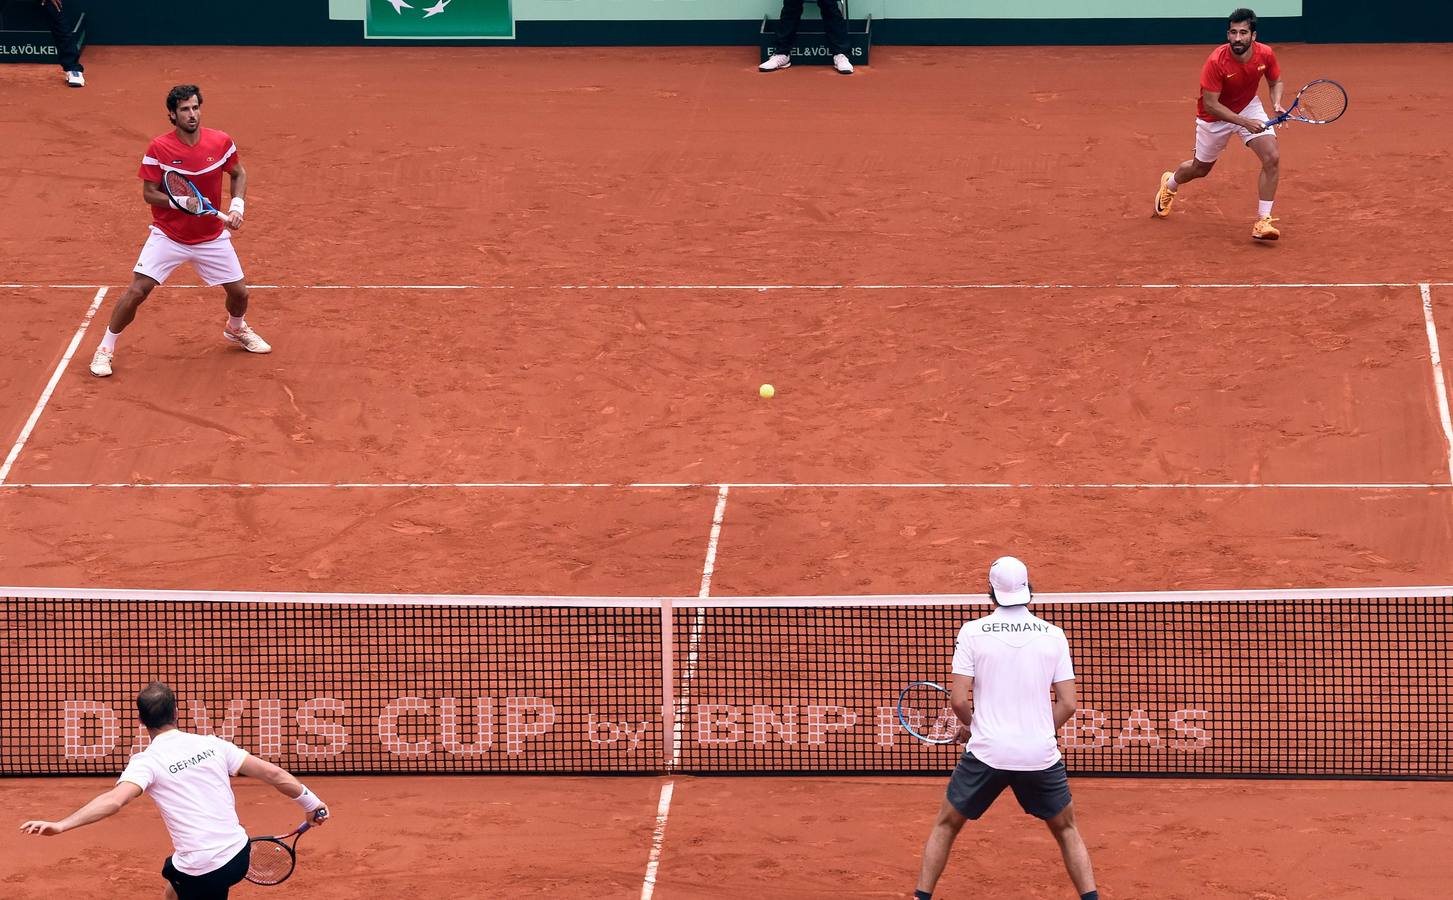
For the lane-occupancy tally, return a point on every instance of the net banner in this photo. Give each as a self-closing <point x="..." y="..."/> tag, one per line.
<point x="1253" y="685"/>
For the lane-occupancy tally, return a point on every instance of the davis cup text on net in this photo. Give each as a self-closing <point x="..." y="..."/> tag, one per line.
<point x="412" y="726"/>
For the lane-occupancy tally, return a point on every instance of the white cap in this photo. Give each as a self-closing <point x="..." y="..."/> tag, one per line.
<point x="1010" y="581"/>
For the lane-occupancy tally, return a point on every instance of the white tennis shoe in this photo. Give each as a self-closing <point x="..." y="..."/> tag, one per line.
<point x="247" y="339"/>
<point x="75" y="79"/>
<point x="840" y="62"/>
<point x="774" y="62"/>
<point x="101" y="362"/>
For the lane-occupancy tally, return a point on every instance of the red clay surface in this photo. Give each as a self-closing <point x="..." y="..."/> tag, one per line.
<point x="682" y="166"/>
<point x="775" y="837"/>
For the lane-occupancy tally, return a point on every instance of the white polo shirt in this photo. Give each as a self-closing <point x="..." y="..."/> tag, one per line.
<point x="188" y="777"/>
<point x="1014" y="657"/>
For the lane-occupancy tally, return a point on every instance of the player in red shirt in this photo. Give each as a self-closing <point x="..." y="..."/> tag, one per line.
<point x="1229" y="106"/>
<point x="203" y="155"/>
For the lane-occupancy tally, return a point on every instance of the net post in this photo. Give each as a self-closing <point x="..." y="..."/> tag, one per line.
<point x="668" y="689"/>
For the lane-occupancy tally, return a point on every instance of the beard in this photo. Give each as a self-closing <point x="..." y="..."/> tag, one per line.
<point x="1239" y="46"/>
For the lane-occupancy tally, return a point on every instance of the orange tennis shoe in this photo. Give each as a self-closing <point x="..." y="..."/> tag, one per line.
<point x="1263" y="230"/>
<point x="1164" y="197"/>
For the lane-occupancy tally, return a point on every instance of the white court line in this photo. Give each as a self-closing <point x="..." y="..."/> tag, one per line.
<point x="658" y="837"/>
<point x="50" y="387"/>
<point x="749" y="485"/>
<point x="663" y="808"/>
<point x="766" y="600"/>
<point x="698" y="622"/>
<point x="1435" y="359"/>
<point x="1005" y="286"/>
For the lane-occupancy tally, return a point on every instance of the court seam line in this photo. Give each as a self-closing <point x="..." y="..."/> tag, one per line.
<point x="1435" y="359"/>
<point x="663" y="807"/>
<point x="965" y="286"/>
<point x="50" y="387"/>
<point x="739" y="485"/>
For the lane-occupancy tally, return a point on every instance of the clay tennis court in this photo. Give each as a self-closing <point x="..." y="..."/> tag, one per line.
<point x="521" y="302"/>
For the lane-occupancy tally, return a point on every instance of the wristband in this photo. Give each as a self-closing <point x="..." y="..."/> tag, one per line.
<point x="238" y="205"/>
<point x="308" y="800"/>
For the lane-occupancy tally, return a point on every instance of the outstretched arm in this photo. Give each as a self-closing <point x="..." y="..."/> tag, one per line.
<point x="103" y="805"/>
<point x="286" y="785"/>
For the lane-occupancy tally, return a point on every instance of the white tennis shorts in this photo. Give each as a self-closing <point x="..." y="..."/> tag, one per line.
<point x="1212" y="137"/>
<point x="216" y="261"/>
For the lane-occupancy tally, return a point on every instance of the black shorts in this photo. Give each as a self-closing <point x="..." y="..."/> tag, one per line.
<point x="974" y="787"/>
<point x="212" y="885"/>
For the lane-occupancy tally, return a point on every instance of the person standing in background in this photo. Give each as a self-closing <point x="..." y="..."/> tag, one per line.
<point x="837" y="36"/>
<point x="62" y="21"/>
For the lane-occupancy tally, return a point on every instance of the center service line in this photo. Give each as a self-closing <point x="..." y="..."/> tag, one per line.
<point x="663" y="808"/>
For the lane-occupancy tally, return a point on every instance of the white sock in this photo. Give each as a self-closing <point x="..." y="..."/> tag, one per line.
<point x="109" y="341"/>
<point x="235" y="322"/>
<point x="1171" y="185"/>
<point x="1263" y="208"/>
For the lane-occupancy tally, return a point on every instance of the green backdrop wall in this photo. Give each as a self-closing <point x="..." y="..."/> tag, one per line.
<point x="727" y="22"/>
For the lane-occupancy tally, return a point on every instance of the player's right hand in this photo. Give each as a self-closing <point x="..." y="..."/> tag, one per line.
<point x="1255" y="126"/>
<point x="320" y="816"/>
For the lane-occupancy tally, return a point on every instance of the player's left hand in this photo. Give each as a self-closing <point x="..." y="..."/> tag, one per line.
<point x="1279" y="110"/>
<point x="234" y="221"/>
<point x="45" y="828"/>
<point x="962" y="735"/>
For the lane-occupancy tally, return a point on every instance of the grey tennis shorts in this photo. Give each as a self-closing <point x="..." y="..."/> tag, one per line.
<point x="975" y="786"/>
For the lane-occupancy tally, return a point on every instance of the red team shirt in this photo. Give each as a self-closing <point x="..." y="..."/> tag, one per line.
<point x="205" y="164"/>
<point x="1236" y="82"/>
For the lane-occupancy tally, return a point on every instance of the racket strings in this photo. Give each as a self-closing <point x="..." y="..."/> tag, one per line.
<point x="1322" y="102"/>
<point x="270" y="862"/>
<point x="179" y="190"/>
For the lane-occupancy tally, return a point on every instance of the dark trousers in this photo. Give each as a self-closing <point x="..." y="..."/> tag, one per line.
<point x="832" y="18"/>
<point x="63" y="26"/>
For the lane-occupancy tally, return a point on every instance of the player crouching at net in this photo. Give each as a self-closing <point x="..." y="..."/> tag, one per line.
<point x="1228" y="106"/>
<point x="181" y="179"/>
<point x="187" y="776"/>
<point x="1007" y="662"/>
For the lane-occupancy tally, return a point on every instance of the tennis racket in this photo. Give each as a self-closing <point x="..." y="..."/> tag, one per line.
<point x="924" y="711"/>
<point x="185" y="196"/>
<point x="271" y="860"/>
<point x="1318" y="103"/>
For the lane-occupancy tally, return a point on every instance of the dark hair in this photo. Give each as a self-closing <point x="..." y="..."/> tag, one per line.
<point x="181" y="92"/>
<point x="1240" y="14"/>
<point x="156" y="705"/>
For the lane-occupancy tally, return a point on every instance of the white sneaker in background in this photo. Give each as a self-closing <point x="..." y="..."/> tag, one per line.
<point x="840" y="62"/>
<point x="774" y="62"/>
<point x="75" y="79"/>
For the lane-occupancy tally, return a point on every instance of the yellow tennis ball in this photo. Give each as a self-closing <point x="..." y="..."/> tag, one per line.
<point x="767" y="391"/>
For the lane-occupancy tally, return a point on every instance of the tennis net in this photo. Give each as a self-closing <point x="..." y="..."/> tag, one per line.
<point x="1305" y="684"/>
